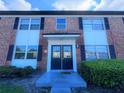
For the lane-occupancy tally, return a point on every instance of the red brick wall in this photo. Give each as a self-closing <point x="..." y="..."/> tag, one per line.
<point x="7" y="37"/>
<point x="50" y="27"/>
<point x="42" y="65"/>
<point x="72" y="25"/>
<point x="116" y="35"/>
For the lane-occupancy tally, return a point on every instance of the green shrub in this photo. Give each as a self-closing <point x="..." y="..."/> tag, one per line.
<point x="22" y="72"/>
<point x="29" y="70"/>
<point x="107" y="73"/>
<point x="12" y="71"/>
<point x="6" y="71"/>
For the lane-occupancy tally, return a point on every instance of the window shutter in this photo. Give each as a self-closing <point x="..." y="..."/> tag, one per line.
<point x="42" y="23"/>
<point x="112" y="51"/>
<point x="16" y="23"/>
<point x="82" y="49"/>
<point x="106" y="22"/>
<point x="80" y="23"/>
<point x="10" y="53"/>
<point x="39" y="56"/>
<point x="123" y="19"/>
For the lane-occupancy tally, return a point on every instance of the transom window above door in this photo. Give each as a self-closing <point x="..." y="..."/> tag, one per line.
<point x="29" y="24"/>
<point x="61" y="23"/>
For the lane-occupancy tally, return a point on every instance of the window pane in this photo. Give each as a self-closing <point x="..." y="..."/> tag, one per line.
<point x="90" y="52"/>
<point x="101" y="48"/>
<point x="56" y="51"/>
<point x="32" y="48"/>
<point x="93" y="24"/>
<point x="87" y="22"/>
<point x="35" y="27"/>
<point x="19" y="55"/>
<point x="98" y="27"/>
<point x="25" y="21"/>
<point x="61" y="23"/>
<point x="97" y="21"/>
<point x="20" y="52"/>
<point x="35" y="21"/>
<point x="103" y="55"/>
<point x="20" y="48"/>
<point x="32" y="52"/>
<point x="96" y="52"/>
<point x="24" y="26"/>
<point x="32" y="55"/>
<point x="90" y="48"/>
<point x="61" y="26"/>
<point x="35" y="24"/>
<point x="61" y="20"/>
<point x="67" y="52"/>
<point x="102" y="52"/>
<point x="91" y="56"/>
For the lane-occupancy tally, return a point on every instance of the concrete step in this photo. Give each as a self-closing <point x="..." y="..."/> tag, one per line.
<point x="60" y="90"/>
<point x="51" y="79"/>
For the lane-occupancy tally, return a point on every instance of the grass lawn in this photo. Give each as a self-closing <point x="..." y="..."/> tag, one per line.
<point x="11" y="89"/>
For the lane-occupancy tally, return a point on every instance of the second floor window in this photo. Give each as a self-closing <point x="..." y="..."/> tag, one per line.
<point x="93" y="24"/>
<point x="29" y="24"/>
<point x="35" y="24"/>
<point x="24" y="24"/>
<point x="61" y="23"/>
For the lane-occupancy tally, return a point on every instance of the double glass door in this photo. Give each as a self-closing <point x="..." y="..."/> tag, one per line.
<point x="61" y="58"/>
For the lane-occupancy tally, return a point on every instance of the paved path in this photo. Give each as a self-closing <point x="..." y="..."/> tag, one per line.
<point x="60" y="82"/>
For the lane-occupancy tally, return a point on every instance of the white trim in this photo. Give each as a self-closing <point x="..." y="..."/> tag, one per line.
<point x="55" y="36"/>
<point x="49" y="58"/>
<point x="29" y="24"/>
<point x="26" y="52"/>
<point x="97" y="55"/>
<point x="74" y="57"/>
<point x="62" y="42"/>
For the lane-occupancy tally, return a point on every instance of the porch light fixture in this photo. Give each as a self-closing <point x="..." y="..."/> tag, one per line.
<point x="77" y="46"/>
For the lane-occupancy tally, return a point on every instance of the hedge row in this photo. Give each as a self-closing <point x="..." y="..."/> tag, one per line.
<point x="106" y="73"/>
<point x="11" y="71"/>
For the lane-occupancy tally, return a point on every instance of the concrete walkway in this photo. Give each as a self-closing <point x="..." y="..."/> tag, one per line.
<point x="61" y="81"/>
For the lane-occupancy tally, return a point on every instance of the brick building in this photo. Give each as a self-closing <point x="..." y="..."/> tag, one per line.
<point x="60" y="40"/>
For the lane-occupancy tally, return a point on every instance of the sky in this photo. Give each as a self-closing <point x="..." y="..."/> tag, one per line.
<point x="93" y="5"/>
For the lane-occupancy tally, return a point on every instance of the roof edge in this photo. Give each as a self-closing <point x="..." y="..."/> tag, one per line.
<point x="61" y="12"/>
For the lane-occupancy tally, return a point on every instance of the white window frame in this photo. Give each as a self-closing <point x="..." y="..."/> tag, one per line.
<point x="26" y="52"/>
<point x="65" y="23"/>
<point x="20" y="22"/>
<point x="94" y="18"/>
<point x="97" y="55"/>
<point x="30" y="18"/>
<point x="38" y="24"/>
<point x="15" y="52"/>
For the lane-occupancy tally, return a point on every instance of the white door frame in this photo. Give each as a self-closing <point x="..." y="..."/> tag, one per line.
<point x="62" y="42"/>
